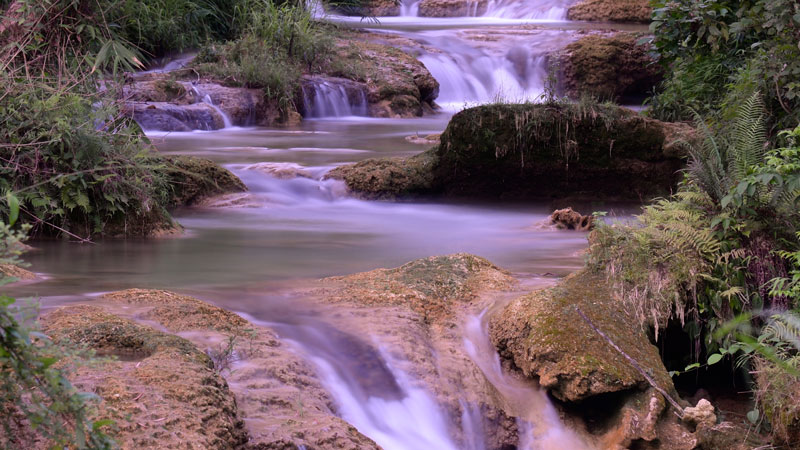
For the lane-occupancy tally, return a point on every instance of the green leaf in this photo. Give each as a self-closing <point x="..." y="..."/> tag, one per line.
<point x="753" y="416"/>
<point x="691" y="366"/>
<point x="715" y="358"/>
<point x="13" y="208"/>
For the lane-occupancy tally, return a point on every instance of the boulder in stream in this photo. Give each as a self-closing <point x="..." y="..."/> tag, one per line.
<point x="544" y="337"/>
<point x="196" y="179"/>
<point x="610" y="67"/>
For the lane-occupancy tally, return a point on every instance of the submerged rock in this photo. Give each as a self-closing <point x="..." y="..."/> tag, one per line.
<point x="637" y="11"/>
<point x="162" y="116"/>
<point x="608" y="67"/>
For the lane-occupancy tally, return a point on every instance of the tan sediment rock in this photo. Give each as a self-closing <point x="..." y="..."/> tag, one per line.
<point x="398" y="85"/>
<point x="11" y="270"/>
<point x="567" y="219"/>
<point x="163" y="392"/>
<point x="278" y="394"/>
<point x="638" y="11"/>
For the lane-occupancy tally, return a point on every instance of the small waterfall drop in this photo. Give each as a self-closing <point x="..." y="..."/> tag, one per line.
<point x="530" y="10"/>
<point x="537" y="419"/>
<point x="469" y="75"/>
<point x="329" y="98"/>
<point x="204" y="97"/>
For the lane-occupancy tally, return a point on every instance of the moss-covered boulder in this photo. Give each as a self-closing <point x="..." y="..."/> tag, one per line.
<point x="778" y="396"/>
<point x="615" y="67"/>
<point x="195" y="179"/>
<point x="161" y="392"/>
<point x="551" y="151"/>
<point x="636" y="11"/>
<point x="544" y="336"/>
<point x="398" y="85"/>
<point x="388" y="178"/>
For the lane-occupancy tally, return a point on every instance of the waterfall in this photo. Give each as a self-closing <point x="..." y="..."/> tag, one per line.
<point x="205" y="97"/>
<point x="334" y="98"/>
<point x="469" y="76"/>
<point x="533" y="10"/>
<point x="537" y="419"/>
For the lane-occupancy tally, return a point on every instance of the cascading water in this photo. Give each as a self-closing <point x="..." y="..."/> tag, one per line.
<point x="327" y="98"/>
<point x="204" y="97"/>
<point x="528" y="10"/>
<point x="537" y="419"/>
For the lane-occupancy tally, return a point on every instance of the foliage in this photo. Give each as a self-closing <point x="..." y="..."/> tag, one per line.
<point x="159" y="27"/>
<point x="76" y="162"/>
<point x="36" y="398"/>
<point x="278" y="43"/>
<point x="720" y="51"/>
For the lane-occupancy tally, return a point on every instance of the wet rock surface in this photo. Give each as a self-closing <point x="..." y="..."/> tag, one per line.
<point x="637" y="11"/>
<point x="568" y="219"/>
<point x="269" y="397"/>
<point x="398" y="85"/>
<point x="614" y="67"/>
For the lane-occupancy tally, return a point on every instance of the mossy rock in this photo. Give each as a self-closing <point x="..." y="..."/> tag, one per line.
<point x="180" y="312"/>
<point x="17" y="272"/>
<point x="195" y="179"/>
<point x="636" y="11"/>
<point x="612" y="67"/>
<point x="368" y="8"/>
<point x="547" y="151"/>
<point x="389" y="177"/>
<point x="429" y="286"/>
<point x="544" y="336"/>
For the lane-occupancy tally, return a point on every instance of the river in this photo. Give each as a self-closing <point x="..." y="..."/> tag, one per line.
<point x="295" y="230"/>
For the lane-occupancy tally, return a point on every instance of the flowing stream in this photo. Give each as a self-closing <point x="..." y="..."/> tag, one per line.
<point x="293" y="227"/>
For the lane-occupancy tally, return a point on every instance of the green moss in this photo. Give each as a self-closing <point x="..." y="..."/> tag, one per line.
<point x="194" y="179"/>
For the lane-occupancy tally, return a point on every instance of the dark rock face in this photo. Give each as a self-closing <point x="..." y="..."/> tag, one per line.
<point x="608" y="67"/>
<point x="547" y="151"/>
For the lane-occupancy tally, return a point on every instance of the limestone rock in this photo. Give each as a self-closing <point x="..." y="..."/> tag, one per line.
<point x="163" y="393"/>
<point x="637" y="11"/>
<point x="567" y="219"/>
<point x="700" y="414"/>
<point x="196" y="179"/>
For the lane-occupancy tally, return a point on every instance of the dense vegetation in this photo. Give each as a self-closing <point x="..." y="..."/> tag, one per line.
<point x="720" y="51"/>
<point x="720" y="259"/>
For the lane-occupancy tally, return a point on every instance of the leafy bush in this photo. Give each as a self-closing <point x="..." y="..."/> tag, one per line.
<point x="278" y="43"/>
<point x="720" y="51"/>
